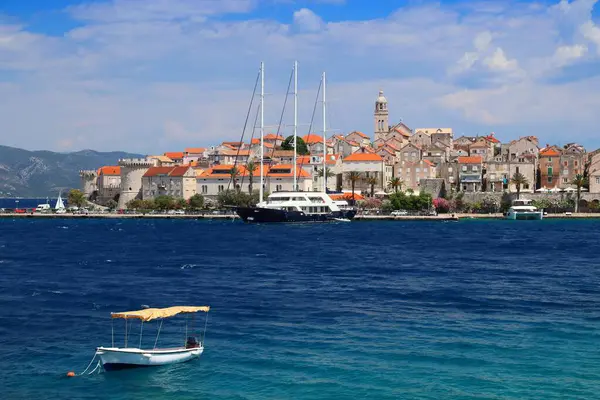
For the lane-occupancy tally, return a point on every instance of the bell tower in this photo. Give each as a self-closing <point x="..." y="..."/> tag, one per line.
<point x="381" y="117"/>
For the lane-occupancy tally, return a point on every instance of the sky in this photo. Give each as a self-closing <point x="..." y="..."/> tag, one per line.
<point x="151" y="76"/>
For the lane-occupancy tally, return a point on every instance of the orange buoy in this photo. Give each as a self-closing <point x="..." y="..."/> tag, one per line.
<point x="70" y="374"/>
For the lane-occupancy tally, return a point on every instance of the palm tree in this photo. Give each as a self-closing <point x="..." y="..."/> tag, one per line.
<point x="372" y="181"/>
<point x="251" y="167"/>
<point x="579" y="182"/>
<point x="234" y="174"/>
<point x="518" y="179"/>
<point x="328" y="173"/>
<point x="353" y="177"/>
<point x="396" y="184"/>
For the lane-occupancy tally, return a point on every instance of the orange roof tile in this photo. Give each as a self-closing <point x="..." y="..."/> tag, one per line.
<point x="353" y="143"/>
<point x="167" y="171"/>
<point x="272" y="136"/>
<point x="303" y="160"/>
<point x="549" y="152"/>
<point x="311" y="138"/>
<point x="358" y="156"/>
<point x="195" y="150"/>
<point x="362" y="135"/>
<point x="174" y="154"/>
<point x="470" y="160"/>
<point x="109" y="170"/>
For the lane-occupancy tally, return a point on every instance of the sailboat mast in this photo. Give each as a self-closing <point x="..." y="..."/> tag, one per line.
<point x="295" y="122"/>
<point x="324" y="138"/>
<point x="262" y="128"/>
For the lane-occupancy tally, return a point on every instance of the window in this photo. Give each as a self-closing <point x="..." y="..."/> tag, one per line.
<point x="576" y="164"/>
<point x="204" y="189"/>
<point x="425" y="170"/>
<point x="549" y="159"/>
<point x="464" y="168"/>
<point x="565" y="172"/>
<point x="475" y="168"/>
<point x="278" y="188"/>
<point x="565" y="180"/>
<point x="526" y="186"/>
<point x="517" y="170"/>
<point x="550" y="179"/>
<point x="418" y="170"/>
<point x="221" y="188"/>
<point x="521" y="160"/>
<point x="413" y="154"/>
<point x="598" y="180"/>
<point x="550" y="171"/>
<point x="449" y="169"/>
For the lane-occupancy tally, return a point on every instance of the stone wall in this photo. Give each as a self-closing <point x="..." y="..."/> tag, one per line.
<point x="436" y="187"/>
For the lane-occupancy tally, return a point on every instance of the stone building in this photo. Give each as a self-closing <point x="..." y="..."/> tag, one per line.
<point x="572" y="163"/>
<point x="549" y="166"/>
<point x="132" y="170"/>
<point x="178" y="182"/>
<point x="594" y="173"/>
<point x="411" y="173"/>
<point x="109" y="184"/>
<point x="470" y="173"/>
<point x="383" y="130"/>
<point x="89" y="183"/>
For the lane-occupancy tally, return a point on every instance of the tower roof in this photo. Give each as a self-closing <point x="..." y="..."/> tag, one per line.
<point x="381" y="98"/>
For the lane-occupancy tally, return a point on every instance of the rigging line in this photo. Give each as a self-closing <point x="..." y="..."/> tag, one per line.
<point x="251" y="139"/>
<point x="287" y="93"/>
<point x="245" y="125"/>
<point x="312" y="118"/>
<point x="158" y="334"/>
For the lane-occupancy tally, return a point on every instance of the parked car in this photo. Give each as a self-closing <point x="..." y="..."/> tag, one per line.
<point x="397" y="213"/>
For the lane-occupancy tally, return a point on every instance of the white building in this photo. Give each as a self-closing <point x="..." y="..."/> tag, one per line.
<point x="368" y="165"/>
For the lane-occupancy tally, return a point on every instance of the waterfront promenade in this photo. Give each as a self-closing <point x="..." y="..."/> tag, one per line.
<point x="439" y="217"/>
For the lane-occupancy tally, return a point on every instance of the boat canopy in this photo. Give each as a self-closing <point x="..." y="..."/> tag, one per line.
<point x="150" y="314"/>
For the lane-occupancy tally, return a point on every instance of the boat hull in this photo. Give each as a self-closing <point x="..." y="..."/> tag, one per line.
<point x="270" y="215"/>
<point x="116" y="358"/>
<point x="525" y="215"/>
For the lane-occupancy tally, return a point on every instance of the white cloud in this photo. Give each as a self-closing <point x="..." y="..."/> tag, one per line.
<point x="159" y="75"/>
<point x="307" y="21"/>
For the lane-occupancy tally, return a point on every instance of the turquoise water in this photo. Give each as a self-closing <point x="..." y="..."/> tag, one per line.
<point x="370" y="310"/>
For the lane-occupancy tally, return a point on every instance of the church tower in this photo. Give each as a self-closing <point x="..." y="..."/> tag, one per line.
<point x="381" y="117"/>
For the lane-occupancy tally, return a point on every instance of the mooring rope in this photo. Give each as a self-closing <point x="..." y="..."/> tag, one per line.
<point x="71" y="373"/>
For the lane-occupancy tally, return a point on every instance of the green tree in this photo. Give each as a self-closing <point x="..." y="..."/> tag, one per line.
<point x="372" y="181"/>
<point x="519" y="180"/>
<point x="288" y="144"/>
<point x="180" y="204"/>
<point x="579" y="181"/>
<point x="234" y="198"/>
<point x="234" y="173"/>
<point x="251" y="167"/>
<point x="196" y="202"/>
<point x="353" y="177"/>
<point x="111" y="204"/>
<point x="395" y="184"/>
<point x="135" y="204"/>
<point x="164" y="203"/>
<point x="76" y="198"/>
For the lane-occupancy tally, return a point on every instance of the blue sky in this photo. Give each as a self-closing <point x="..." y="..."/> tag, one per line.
<point x="159" y="75"/>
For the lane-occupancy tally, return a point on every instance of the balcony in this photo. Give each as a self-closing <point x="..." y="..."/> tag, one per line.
<point x="470" y="178"/>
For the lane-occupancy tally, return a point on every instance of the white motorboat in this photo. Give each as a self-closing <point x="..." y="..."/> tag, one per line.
<point x="523" y="210"/>
<point x="115" y="358"/>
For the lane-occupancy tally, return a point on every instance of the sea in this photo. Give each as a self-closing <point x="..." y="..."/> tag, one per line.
<point x="475" y="309"/>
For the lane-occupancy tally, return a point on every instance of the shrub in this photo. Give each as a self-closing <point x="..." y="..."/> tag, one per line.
<point x="441" y="205"/>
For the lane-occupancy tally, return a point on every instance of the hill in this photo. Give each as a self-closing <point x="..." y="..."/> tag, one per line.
<point x="25" y="173"/>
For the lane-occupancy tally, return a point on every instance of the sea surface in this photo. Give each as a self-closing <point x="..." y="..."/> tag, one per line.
<point x="362" y="310"/>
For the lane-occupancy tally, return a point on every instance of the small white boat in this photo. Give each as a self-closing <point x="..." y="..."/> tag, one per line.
<point x="60" y="206"/>
<point x="523" y="210"/>
<point x="115" y="358"/>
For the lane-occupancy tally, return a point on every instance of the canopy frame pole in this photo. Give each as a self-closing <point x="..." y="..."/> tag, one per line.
<point x="158" y="334"/>
<point x="112" y="331"/>
<point x="141" y="332"/>
<point x="126" y="332"/>
<point x="186" y="330"/>
<point x="204" y="332"/>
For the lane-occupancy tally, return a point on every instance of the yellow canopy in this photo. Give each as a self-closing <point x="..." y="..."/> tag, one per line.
<point x="149" y="314"/>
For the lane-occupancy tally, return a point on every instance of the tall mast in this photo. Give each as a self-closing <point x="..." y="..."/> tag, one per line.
<point x="295" y="122"/>
<point x="324" y="138"/>
<point x="262" y="128"/>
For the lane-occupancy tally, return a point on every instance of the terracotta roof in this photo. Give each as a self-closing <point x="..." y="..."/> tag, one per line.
<point x="359" y="156"/>
<point x="480" y="144"/>
<point x="286" y="170"/>
<point x="549" y="152"/>
<point x="272" y="136"/>
<point x="401" y="132"/>
<point x="174" y="154"/>
<point x="470" y="160"/>
<point x="233" y="144"/>
<point x="234" y="153"/>
<point x="332" y="158"/>
<point x="163" y="159"/>
<point x="283" y="153"/>
<point x="362" y="135"/>
<point x="391" y="146"/>
<point x="312" y="138"/>
<point x="303" y="160"/>
<point x="195" y="150"/>
<point x="167" y="171"/>
<point x="491" y="138"/>
<point x="352" y="143"/>
<point x="109" y="170"/>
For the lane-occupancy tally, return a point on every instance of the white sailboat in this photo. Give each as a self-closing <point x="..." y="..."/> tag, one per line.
<point x="294" y="206"/>
<point x="60" y="206"/>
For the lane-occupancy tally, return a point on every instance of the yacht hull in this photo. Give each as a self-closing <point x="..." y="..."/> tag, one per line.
<point x="524" y="215"/>
<point x="269" y="215"/>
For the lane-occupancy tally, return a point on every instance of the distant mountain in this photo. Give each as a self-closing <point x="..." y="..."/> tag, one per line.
<point x="26" y="173"/>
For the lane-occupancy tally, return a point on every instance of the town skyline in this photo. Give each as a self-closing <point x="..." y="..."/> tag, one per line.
<point x="155" y="76"/>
